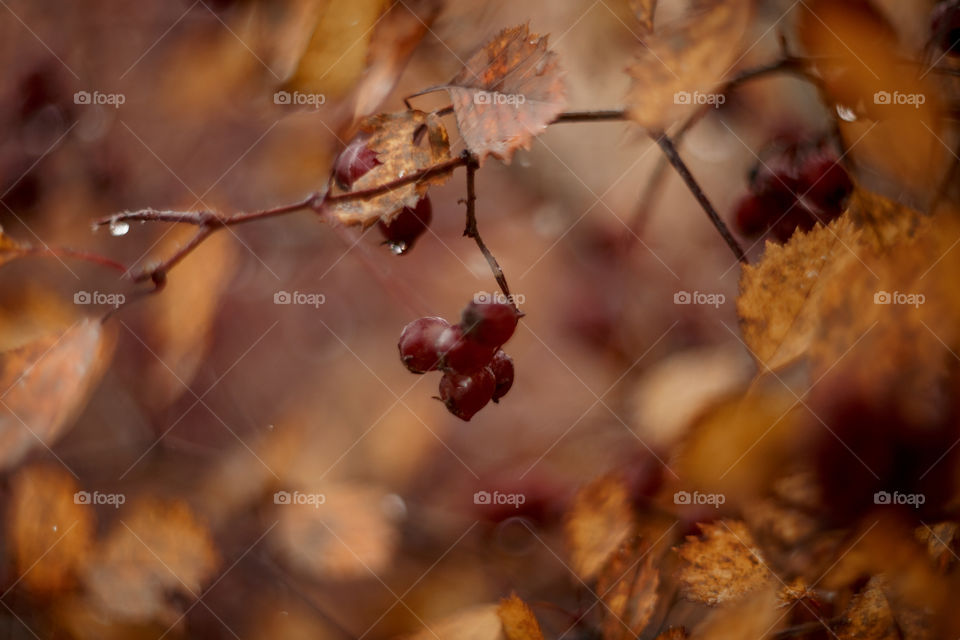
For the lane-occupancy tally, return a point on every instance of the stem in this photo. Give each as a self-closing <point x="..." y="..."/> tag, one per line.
<point x="599" y="115"/>
<point x="158" y="273"/>
<point x="471" y="230"/>
<point x="670" y="151"/>
<point x="62" y="252"/>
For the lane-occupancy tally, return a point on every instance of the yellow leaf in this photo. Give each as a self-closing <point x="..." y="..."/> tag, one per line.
<point x="598" y="522"/>
<point x="519" y="623"/>
<point x="723" y="566"/>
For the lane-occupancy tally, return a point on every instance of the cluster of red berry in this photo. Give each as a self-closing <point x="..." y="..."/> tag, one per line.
<point x="794" y="185"/>
<point x="475" y="368"/>
<point x="409" y="223"/>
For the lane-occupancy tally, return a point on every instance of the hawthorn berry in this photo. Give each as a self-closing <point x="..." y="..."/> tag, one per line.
<point x="418" y="344"/>
<point x="353" y="162"/>
<point x="501" y="366"/>
<point x="828" y="184"/>
<point x="407" y="225"/>
<point x="465" y="395"/>
<point x="490" y="323"/>
<point x="459" y="354"/>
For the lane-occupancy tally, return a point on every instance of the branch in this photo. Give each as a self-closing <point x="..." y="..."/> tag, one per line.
<point x="670" y="151"/>
<point x="471" y="230"/>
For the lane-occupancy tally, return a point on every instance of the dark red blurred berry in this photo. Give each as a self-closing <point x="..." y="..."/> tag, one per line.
<point x="490" y="323"/>
<point x="465" y="395"/>
<point x="828" y="184"/>
<point x="408" y="225"/>
<point x="459" y="354"/>
<point x="418" y="344"/>
<point x="353" y="162"/>
<point x="945" y="26"/>
<point x="502" y="368"/>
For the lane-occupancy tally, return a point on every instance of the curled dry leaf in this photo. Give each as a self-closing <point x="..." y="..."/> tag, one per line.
<point x="518" y="620"/>
<point x="942" y="541"/>
<point x="155" y="549"/>
<point x="44" y="384"/>
<point x="628" y="587"/>
<point x="347" y="536"/>
<point x="689" y="58"/>
<point x="869" y="616"/>
<point x="755" y="616"/>
<point x="48" y="531"/>
<point x="507" y="93"/>
<point x="722" y="566"/>
<point x="599" y="521"/>
<point x="405" y="142"/>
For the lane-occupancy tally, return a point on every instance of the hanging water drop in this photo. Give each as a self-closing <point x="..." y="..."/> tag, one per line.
<point x="846" y="113"/>
<point x="118" y="227"/>
<point x="398" y="248"/>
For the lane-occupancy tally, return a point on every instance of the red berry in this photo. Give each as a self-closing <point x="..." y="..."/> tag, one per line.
<point x="418" y="344"/>
<point x="828" y="184"/>
<point x="502" y="368"/>
<point x="459" y="354"/>
<point x="945" y="26"/>
<point x="353" y="162"/>
<point x="465" y="395"/>
<point x="757" y="212"/>
<point x="407" y="225"/>
<point x="489" y="323"/>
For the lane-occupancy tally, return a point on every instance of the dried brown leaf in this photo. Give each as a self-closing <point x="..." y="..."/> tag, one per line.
<point x="942" y="540"/>
<point x="519" y="623"/>
<point x="507" y="93"/>
<point x="628" y="587"/>
<point x="722" y="566"/>
<point x="869" y="616"/>
<point x="690" y="58"/>
<point x="405" y="142"/>
<point x="481" y="622"/>
<point x="755" y="616"/>
<point x="644" y="10"/>
<point x="156" y="549"/>
<point x="44" y="384"/>
<point x="50" y="531"/>
<point x="599" y="520"/>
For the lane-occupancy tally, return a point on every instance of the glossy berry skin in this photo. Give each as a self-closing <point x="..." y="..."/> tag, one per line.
<point x="418" y="344"/>
<point x="945" y="26"/>
<point x="408" y="225"/>
<point x="465" y="395"/>
<point x="353" y="162"/>
<point x="828" y="184"/>
<point x="489" y="323"/>
<point x="459" y="354"/>
<point x="501" y="366"/>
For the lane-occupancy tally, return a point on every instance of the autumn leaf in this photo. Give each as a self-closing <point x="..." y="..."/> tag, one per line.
<point x="49" y="531"/>
<point x="724" y="565"/>
<point x="156" y="549"/>
<point x="756" y="616"/>
<point x="941" y="540"/>
<point x="507" y="93"/>
<point x="599" y="520"/>
<point x="869" y="616"/>
<point x="336" y="54"/>
<point x="480" y="622"/>
<point x="691" y="58"/>
<point x="644" y="10"/>
<point x="519" y="623"/>
<point x="405" y="142"/>
<point x="628" y="587"/>
<point x="44" y="384"/>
